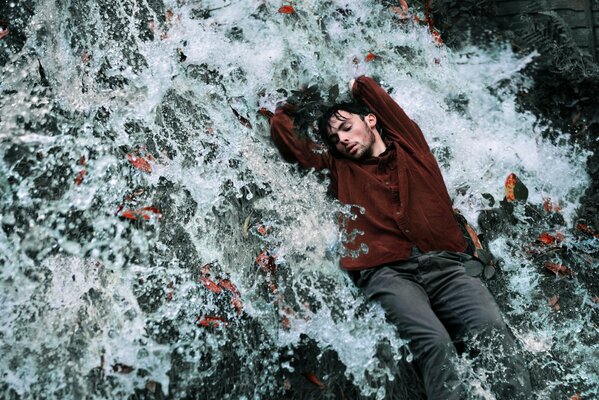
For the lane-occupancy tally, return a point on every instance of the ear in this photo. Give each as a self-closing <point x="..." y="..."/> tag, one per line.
<point x="371" y="120"/>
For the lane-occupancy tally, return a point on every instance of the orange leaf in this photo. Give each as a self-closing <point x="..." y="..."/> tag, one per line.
<point x="210" y="285"/>
<point x="576" y="397"/>
<point x="139" y="162"/>
<point x="287" y="9"/>
<point x="510" y="183"/>
<point x="515" y="189"/>
<point x="369" y="57"/>
<point x="314" y="380"/>
<point x="211" y="321"/>
<point x="558" y="269"/>
<point x="546" y="238"/>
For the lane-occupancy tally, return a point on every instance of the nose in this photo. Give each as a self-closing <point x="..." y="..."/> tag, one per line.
<point x="343" y="137"/>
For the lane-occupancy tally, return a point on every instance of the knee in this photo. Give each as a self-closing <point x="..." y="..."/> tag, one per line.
<point x="435" y="343"/>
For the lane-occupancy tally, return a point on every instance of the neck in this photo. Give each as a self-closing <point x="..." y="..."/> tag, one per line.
<point x="378" y="147"/>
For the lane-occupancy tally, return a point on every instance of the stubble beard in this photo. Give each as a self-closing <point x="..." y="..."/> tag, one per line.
<point x="368" y="150"/>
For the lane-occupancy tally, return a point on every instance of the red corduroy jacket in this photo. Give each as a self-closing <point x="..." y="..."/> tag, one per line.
<point x="416" y="212"/>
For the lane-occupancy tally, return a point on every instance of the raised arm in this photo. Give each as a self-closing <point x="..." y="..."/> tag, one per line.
<point x="293" y="148"/>
<point x="396" y="124"/>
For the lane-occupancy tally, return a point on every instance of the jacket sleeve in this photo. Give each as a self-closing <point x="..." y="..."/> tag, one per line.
<point x="397" y="126"/>
<point x="293" y="148"/>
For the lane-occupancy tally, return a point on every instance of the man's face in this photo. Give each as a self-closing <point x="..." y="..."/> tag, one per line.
<point x="352" y="135"/>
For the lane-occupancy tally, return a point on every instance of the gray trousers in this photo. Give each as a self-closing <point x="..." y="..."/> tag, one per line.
<point x="434" y="305"/>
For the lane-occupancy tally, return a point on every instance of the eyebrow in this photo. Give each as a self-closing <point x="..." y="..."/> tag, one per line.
<point x="341" y="125"/>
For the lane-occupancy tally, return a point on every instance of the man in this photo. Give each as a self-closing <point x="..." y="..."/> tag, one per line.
<point x="413" y="264"/>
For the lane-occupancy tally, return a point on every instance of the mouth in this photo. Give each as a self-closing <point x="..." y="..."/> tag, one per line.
<point x="352" y="148"/>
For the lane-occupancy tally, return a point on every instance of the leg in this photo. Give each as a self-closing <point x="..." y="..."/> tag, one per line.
<point x="470" y="313"/>
<point x="407" y="305"/>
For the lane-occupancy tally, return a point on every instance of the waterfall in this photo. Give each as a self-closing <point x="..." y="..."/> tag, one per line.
<point x="154" y="243"/>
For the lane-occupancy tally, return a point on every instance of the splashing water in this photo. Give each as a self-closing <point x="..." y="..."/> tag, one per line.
<point x="139" y="184"/>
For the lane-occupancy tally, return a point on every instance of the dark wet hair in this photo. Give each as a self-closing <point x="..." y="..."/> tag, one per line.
<point x="324" y="122"/>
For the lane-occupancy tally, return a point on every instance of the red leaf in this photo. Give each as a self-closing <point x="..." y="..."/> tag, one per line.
<point x="238" y="304"/>
<point x="266" y="262"/>
<point x="79" y="177"/>
<point x="210" y="285"/>
<point x="287" y="9"/>
<point x="369" y="57"/>
<point x="145" y="213"/>
<point x="554" y="302"/>
<point x="587" y="229"/>
<point x="228" y="285"/>
<point x="139" y="162"/>
<point x="211" y="321"/>
<point x="558" y="269"/>
<point x="437" y="37"/>
<point x="244" y="121"/>
<point x="314" y="380"/>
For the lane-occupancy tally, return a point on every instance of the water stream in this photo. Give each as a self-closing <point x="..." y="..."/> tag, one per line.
<point x="153" y="242"/>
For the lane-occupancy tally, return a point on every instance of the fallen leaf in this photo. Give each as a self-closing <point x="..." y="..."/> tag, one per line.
<point x="266" y="262"/>
<point x="551" y="207"/>
<point x="244" y="121"/>
<point x="237" y="304"/>
<point x="210" y="285"/>
<point x="546" y="238"/>
<point x="586" y="229"/>
<point x="145" y="213"/>
<point x="437" y="37"/>
<point x="79" y="177"/>
<point x="369" y="57"/>
<point x="288" y="9"/>
<point x="285" y="322"/>
<point x="402" y="10"/>
<point x="314" y="380"/>
<point x="576" y="397"/>
<point x="558" y="269"/>
<point x="169" y="296"/>
<point x="554" y="302"/>
<point x="515" y="189"/>
<point x="211" y="321"/>
<point x="263" y="230"/>
<point x="122" y="368"/>
<point x="228" y="285"/>
<point x="246" y="225"/>
<point x="139" y="162"/>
